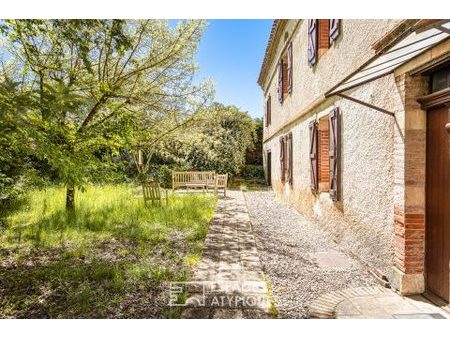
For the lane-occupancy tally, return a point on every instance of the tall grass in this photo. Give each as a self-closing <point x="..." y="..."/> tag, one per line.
<point x="102" y="212"/>
<point x="89" y="263"/>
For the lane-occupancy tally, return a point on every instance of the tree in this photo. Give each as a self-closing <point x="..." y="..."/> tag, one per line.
<point x="95" y="85"/>
<point x="254" y="155"/>
<point x="216" y="139"/>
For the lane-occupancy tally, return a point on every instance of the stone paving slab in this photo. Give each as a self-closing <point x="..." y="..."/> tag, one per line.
<point x="374" y="303"/>
<point x="229" y="281"/>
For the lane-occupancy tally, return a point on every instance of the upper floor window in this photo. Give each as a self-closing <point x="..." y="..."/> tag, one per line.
<point x="285" y="74"/>
<point x="268" y="111"/>
<point x="321" y="34"/>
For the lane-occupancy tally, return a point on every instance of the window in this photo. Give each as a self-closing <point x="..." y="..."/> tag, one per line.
<point x="282" y="159"/>
<point x="286" y="160"/>
<point x="321" y="34"/>
<point x="440" y="79"/>
<point x="285" y="74"/>
<point x="268" y="111"/>
<point x="289" y="161"/>
<point x="324" y="154"/>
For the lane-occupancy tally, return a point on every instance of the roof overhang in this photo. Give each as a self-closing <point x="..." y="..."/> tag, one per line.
<point x="401" y="52"/>
<point x="277" y="27"/>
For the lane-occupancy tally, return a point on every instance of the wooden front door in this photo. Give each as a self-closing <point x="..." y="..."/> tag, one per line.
<point x="269" y="168"/>
<point x="438" y="202"/>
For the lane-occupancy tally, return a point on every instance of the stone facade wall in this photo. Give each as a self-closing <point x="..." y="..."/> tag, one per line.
<point x="380" y="216"/>
<point x="352" y="49"/>
<point x="362" y="221"/>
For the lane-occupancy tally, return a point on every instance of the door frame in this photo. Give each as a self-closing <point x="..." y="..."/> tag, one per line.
<point x="431" y="102"/>
<point x="269" y="167"/>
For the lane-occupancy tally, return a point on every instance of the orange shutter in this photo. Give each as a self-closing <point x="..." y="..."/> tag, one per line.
<point x="324" y="37"/>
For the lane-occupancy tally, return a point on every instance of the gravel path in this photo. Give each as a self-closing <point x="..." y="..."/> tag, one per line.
<point x="299" y="260"/>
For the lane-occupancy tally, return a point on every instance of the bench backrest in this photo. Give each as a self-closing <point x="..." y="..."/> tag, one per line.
<point x="181" y="178"/>
<point x="221" y="180"/>
<point x="151" y="191"/>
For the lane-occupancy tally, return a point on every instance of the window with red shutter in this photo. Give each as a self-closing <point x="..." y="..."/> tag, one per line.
<point x="323" y="154"/>
<point x="313" y="155"/>
<point x="334" y="154"/>
<point x="323" y="36"/>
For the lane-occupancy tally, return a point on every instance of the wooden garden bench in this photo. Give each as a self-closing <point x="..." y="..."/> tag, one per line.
<point x="200" y="179"/>
<point x="153" y="193"/>
<point x="193" y="179"/>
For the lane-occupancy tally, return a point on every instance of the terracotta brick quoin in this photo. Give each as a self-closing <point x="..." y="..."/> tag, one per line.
<point x="414" y="234"/>
<point x="399" y="230"/>
<point x="415" y="217"/>
<point x="409" y="241"/>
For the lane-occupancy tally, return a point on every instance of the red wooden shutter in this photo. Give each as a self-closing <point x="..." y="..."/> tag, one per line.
<point x="289" y="68"/>
<point x="312" y="42"/>
<point x="313" y="155"/>
<point x="334" y="29"/>
<point x="282" y="158"/>
<point x="291" y="162"/>
<point x="280" y="81"/>
<point x="323" y="35"/>
<point x="334" y="118"/>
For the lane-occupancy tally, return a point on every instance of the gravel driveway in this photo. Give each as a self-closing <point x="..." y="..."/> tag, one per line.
<point x="299" y="260"/>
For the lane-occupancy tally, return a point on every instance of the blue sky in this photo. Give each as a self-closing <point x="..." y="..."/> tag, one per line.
<point x="230" y="54"/>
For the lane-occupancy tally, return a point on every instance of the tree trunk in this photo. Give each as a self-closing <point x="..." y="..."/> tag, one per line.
<point x="70" y="198"/>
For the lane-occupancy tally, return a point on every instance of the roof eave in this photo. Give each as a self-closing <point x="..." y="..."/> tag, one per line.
<point x="277" y="27"/>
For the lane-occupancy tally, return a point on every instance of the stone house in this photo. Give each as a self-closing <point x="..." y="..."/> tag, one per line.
<point x="357" y="134"/>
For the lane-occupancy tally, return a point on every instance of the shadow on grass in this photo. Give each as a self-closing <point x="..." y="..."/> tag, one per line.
<point x="78" y="289"/>
<point x="113" y="258"/>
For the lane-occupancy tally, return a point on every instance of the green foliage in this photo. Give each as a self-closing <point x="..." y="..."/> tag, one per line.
<point x="218" y="139"/>
<point x="111" y="258"/>
<point x="253" y="172"/>
<point x="254" y="155"/>
<point x="81" y="90"/>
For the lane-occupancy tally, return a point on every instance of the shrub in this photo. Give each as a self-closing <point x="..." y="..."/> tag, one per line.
<point x="253" y="172"/>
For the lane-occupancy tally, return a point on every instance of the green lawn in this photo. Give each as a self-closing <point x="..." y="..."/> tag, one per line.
<point x="113" y="258"/>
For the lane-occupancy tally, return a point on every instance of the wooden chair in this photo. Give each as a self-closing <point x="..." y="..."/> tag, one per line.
<point x="152" y="193"/>
<point x="221" y="183"/>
